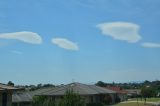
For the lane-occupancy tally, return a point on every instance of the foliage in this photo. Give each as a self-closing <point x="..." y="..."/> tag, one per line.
<point x="72" y="99"/>
<point x="133" y="85"/>
<point x="39" y="86"/>
<point x="10" y="83"/>
<point x="101" y="84"/>
<point x="42" y="101"/>
<point x="148" y="92"/>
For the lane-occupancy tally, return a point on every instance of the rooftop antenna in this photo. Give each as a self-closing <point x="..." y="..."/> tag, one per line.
<point x="73" y="81"/>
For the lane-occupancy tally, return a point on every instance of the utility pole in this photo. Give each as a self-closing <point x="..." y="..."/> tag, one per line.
<point x="137" y="98"/>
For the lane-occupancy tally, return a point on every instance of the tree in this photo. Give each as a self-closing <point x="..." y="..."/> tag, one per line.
<point x="10" y="83"/>
<point x="148" y="92"/>
<point x="39" y="86"/>
<point x="72" y="99"/>
<point x="146" y="82"/>
<point x="48" y="85"/>
<point x="101" y="84"/>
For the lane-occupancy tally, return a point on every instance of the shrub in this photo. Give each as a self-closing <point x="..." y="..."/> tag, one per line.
<point x="72" y="99"/>
<point x="42" y="101"/>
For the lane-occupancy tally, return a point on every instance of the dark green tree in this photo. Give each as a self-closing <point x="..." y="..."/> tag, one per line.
<point x="10" y="83"/>
<point x="148" y="92"/>
<point x="101" y="84"/>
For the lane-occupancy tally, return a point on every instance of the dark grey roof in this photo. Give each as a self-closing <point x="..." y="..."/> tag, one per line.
<point x="79" y="88"/>
<point x="21" y="97"/>
<point x="25" y="96"/>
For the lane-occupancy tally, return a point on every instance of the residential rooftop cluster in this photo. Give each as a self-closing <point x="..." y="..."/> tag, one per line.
<point x="93" y="93"/>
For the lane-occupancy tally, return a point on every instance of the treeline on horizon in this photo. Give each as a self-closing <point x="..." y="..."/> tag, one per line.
<point x="130" y="85"/>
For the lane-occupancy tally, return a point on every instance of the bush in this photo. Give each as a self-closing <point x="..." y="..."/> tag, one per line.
<point x="42" y="101"/>
<point x="72" y="99"/>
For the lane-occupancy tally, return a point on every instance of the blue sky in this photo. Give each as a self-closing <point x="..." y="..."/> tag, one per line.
<point x="58" y="41"/>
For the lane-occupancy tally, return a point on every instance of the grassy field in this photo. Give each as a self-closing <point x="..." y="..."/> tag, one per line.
<point x="130" y="104"/>
<point x="148" y="99"/>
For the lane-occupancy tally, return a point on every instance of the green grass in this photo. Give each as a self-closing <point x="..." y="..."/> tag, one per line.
<point x="130" y="104"/>
<point x="148" y="99"/>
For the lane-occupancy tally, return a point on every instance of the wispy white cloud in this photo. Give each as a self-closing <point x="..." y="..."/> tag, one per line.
<point x="16" y="52"/>
<point x="150" y="45"/>
<point x="65" y="44"/>
<point x="25" y="36"/>
<point x="121" y="31"/>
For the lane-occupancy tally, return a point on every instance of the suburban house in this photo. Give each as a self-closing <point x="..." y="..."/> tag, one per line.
<point x="132" y="93"/>
<point x="24" y="98"/>
<point x="6" y="94"/>
<point x="21" y="99"/>
<point x="91" y="93"/>
<point x="121" y="94"/>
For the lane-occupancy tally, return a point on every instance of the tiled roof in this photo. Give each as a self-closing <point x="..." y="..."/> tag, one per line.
<point x="21" y="97"/>
<point x="6" y="87"/>
<point x="117" y="89"/>
<point x="79" y="88"/>
<point x="1" y="89"/>
<point x="26" y="96"/>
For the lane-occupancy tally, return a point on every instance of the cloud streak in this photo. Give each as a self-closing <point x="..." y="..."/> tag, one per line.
<point x="16" y="52"/>
<point x="121" y="31"/>
<point x="150" y="45"/>
<point x="65" y="44"/>
<point x="24" y="36"/>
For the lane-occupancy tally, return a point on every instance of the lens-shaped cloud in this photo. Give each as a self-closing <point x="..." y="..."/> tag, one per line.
<point x="24" y="36"/>
<point x="65" y="44"/>
<point x="150" y="45"/>
<point x="121" y="31"/>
